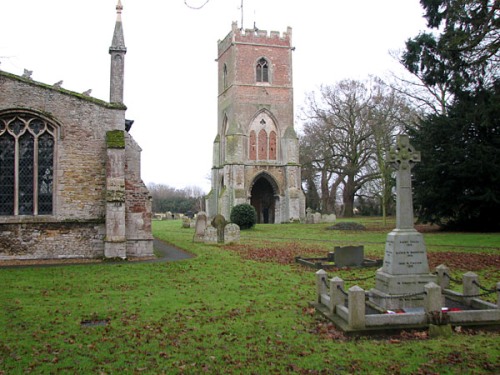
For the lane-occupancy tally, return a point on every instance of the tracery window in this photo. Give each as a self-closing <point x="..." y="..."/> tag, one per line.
<point x="262" y="70"/>
<point x="26" y="165"/>
<point x="263" y="139"/>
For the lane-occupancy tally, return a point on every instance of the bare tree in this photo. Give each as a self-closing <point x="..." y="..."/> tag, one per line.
<point x="167" y="198"/>
<point x="339" y="122"/>
<point x="348" y="129"/>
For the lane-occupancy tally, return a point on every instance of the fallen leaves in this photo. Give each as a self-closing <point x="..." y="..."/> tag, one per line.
<point x="464" y="261"/>
<point x="281" y="253"/>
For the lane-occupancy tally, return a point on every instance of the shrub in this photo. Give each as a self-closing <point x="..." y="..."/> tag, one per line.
<point x="244" y="215"/>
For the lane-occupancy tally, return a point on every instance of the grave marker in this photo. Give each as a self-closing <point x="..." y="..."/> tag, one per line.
<point x="405" y="269"/>
<point x="200" y="226"/>
<point x="219" y="222"/>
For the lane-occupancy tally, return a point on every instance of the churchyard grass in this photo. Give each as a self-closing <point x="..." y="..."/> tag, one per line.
<point x="240" y="309"/>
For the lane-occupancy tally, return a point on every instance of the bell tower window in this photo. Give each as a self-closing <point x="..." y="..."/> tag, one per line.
<point x="262" y="70"/>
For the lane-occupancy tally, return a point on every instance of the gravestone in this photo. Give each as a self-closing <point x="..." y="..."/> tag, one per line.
<point x="328" y="218"/>
<point x="200" y="226"/>
<point x="186" y="222"/>
<point x="405" y="269"/>
<point x="219" y="222"/>
<point x="316" y="218"/>
<point x="309" y="217"/>
<point x="231" y="233"/>
<point x="210" y="235"/>
<point x="348" y="256"/>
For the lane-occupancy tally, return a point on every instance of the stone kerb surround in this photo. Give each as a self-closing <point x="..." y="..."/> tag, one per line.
<point x="405" y="270"/>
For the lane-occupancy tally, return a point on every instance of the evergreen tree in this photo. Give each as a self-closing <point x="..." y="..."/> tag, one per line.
<point x="465" y="55"/>
<point x="458" y="182"/>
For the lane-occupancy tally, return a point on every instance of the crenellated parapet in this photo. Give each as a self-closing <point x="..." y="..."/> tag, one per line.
<point x="255" y="36"/>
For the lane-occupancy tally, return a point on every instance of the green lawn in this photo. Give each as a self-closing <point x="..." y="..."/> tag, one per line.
<point x="229" y="310"/>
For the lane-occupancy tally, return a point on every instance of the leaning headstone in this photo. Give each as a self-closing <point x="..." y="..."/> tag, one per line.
<point x="405" y="270"/>
<point x="348" y="256"/>
<point x="219" y="222"/>
<point x="231" y="233"/>
<point x="200" y="226"/>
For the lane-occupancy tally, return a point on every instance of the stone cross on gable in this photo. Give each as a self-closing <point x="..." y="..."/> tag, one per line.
<point x="402" y="157"/>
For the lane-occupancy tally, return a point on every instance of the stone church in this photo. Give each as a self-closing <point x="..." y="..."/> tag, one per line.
<point x="70" y="180"/>
<point x="256" y="151"/>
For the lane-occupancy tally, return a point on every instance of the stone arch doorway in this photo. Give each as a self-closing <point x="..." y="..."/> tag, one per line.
<point x="264" y="199"/>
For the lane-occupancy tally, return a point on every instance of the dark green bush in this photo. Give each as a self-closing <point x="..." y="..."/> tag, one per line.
<point x="244" y="215"/>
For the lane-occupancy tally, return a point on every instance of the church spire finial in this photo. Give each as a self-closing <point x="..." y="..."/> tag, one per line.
<point x="119" y="8"/>
<point x="117" y="52"/>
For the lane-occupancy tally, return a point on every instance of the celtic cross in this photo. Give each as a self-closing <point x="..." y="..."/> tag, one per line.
<point x="402" y="157"/>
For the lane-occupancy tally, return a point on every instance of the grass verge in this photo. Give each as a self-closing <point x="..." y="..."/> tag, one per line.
<point x="231" y="309"/>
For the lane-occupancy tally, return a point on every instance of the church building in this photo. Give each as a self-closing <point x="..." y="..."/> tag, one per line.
<point x="256" y="150"/>
<point x="70" y="179"/>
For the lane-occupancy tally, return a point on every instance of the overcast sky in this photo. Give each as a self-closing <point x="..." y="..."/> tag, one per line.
<point x="170" y="68"/>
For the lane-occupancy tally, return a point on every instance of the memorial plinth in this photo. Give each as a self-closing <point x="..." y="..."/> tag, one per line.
<point x="405" y="271"/>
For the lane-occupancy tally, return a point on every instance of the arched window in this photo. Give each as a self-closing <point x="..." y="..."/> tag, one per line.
<point x="262" y="145"/>
<point x="26" y="165"/>
<point x="262" y="70"/>
<point x="263" y="139"/>
<point x="224" y="76"/>
<point x="253" y="145"/>
<point x="222" y="155"/>
<point x="272" y="145"/>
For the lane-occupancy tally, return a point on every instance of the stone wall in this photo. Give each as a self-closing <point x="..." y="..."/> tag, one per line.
<point x="80" y="185"/>
<point x="80" y="165"/>
<point x="52" y="240"/>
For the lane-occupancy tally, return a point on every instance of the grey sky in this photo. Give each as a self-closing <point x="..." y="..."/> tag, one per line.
<point x="171" y="73"/>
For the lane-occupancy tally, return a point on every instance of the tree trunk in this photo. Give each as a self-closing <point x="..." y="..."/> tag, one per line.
<point x="348" y="196"/>
<point x="325" y="191"/>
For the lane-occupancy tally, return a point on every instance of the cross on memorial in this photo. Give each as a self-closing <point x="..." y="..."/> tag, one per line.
<point x="402" y="157"/>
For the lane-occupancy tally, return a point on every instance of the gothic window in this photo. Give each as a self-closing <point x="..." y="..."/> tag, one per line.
<point x="224" y="77"/>
<point x="222" y="156"/>
<point x="253" y="145"/>
<point x="262" y="70"/>
<point x="263" y="138"/>
<point x="262" y="145"/>
<point x="272" y="145"/>
<point x="26" y="165"/>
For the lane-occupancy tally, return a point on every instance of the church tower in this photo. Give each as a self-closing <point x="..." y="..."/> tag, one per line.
<point x="256" y="151"/>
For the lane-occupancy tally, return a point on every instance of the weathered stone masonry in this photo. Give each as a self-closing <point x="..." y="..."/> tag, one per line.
<point x="100" y="206"/>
